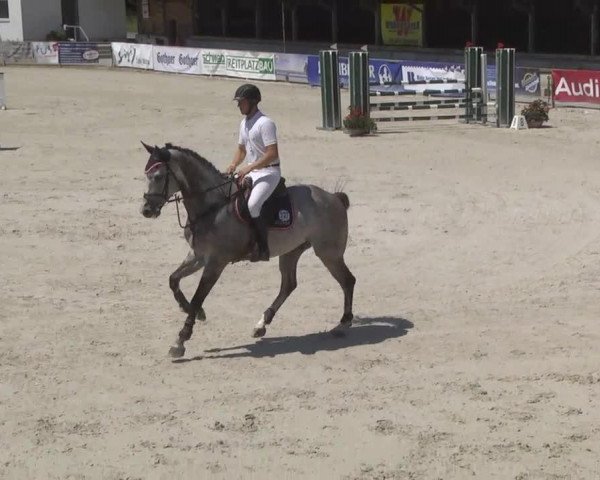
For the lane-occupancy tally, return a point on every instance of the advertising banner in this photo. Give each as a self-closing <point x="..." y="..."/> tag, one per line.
<point x="234" y="63"/>
<point x="528" y="82"/>
<point x="45" y="52"/>
<point x="74" y="53"/>
<point x="176" y="59"/>
<point x="381" y="72"/>
<point x="454" y="73"/>
<point x="15" y="52"/>
<point x="291" y="67"/>
<point x="402" y="24"/>
<point x="576" y="87"/>
<point x="132" y="55"/>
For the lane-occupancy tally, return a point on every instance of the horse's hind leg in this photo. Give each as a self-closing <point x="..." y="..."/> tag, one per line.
<point x="337" y="267"/>
<point x="190" y="265"/>
<point x="287" y="266"/>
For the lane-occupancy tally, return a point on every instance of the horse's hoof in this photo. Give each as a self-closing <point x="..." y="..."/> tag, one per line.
<point x="201" y="315"/>
<point x="259" y="332"/>
<point x="340" y="329"/>
<point x="177" y="351"/>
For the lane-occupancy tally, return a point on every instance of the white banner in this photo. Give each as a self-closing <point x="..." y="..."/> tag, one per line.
<point x="234" y="63"/>
<point x="176" y="59"/>
<point x="45" y="52"/>
<point x="132" y="55"/>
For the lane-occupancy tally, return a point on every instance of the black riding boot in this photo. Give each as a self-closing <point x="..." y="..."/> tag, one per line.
<point x="261" y="232"/>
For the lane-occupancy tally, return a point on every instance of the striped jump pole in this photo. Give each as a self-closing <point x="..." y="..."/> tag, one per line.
<point x="417" y="82"/>
<point x="358" y="70"/>
<point x="330" y="90"/>
<point x="422" y="118"/>
<point x="418" y="105"/>
<point x="505" y="86"/>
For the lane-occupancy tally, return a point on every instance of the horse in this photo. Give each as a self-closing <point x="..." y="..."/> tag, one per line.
<point x="218" y="235"/>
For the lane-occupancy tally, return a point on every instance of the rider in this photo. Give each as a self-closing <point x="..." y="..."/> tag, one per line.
<point x="257" y="144"/>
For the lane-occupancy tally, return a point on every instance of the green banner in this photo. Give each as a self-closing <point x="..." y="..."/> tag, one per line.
<point x="233" y="63"/>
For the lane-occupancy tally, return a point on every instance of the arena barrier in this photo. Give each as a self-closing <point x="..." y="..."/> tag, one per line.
<point x="473" y="105"/>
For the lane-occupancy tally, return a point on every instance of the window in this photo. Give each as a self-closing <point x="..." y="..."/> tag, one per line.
<point x="3" y="9"/>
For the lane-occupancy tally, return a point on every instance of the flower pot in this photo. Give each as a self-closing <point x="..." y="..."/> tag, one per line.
<point x="535" y="123"/>
<point x="356" y="132"/>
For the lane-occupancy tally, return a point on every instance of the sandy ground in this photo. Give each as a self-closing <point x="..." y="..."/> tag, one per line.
<point x="477" y="256"/>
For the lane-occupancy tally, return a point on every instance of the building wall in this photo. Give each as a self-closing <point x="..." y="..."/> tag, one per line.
<point x="103" y="19"/>
<point x="172" y="19"/>
<point x="40" y="17"/>
<point x="155" y="24"/>
<point x="178" y="16"/>
<point x="13" y="28"/>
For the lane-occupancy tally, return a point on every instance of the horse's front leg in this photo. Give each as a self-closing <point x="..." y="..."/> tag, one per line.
<point x="189" y="266"/>
<point x="210" y="275"/>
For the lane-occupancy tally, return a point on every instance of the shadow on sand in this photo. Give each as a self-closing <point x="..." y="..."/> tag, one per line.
<point x="364" y="331"/>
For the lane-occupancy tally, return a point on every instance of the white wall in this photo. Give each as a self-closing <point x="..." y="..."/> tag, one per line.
<point x="40" y="17"/>
<point x="13" y="28"/>
<point x="103" y="19"/>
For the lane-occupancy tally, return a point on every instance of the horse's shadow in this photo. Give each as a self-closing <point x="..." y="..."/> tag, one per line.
<point x="365" y="331"/>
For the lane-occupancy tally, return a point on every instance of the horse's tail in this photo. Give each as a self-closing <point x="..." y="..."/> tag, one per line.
<point x="344" y="199"/>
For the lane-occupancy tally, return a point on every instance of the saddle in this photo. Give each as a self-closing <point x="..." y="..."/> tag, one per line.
<point x="276" y="212"/>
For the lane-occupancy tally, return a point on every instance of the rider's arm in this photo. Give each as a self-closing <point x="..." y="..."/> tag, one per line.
<point x="238" y="157"/>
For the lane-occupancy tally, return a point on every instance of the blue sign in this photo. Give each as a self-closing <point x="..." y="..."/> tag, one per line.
<point x="386" y="72"/>
<point x="527" y="81"/>
<point x="77" y="53"/>
<point x="381" y="72"/>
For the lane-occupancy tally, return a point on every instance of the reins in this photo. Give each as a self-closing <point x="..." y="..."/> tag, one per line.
<point x="179" y="198"/>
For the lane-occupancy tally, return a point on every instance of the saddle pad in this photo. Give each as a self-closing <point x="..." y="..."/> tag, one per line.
<point x="277" y="211"/>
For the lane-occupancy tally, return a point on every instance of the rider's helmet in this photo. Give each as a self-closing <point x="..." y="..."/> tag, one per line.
<point x="248" y="91"/>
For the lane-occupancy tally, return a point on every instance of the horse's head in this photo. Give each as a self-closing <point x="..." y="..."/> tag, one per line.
<point x="162" y="184"/>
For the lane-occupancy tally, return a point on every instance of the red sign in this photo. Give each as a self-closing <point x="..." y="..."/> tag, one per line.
<point x="576" y="86"/>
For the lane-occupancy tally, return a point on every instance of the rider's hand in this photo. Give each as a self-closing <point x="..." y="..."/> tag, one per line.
<point x="242" y="172"/>
<point x="230" y="169"/>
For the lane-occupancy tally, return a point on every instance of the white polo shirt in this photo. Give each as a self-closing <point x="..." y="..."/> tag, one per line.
<point x="256" y="134"/>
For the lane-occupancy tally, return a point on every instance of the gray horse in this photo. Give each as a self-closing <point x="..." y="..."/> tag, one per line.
<point x="218" y="237"/>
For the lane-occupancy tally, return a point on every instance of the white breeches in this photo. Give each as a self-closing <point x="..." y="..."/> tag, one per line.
<point x="263" y="187"/>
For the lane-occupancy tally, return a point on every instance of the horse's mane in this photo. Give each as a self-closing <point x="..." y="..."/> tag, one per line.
<point x="196" y="156"/>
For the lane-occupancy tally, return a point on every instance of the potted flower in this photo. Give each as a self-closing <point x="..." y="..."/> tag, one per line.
<point x="358" y="123"/>
<point x="536" y="113"/>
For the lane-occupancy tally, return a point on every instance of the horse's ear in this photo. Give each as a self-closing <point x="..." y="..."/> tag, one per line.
<point x="148" y="148"/>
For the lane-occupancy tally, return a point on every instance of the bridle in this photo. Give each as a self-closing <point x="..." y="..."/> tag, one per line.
<point x="179" y="197"/>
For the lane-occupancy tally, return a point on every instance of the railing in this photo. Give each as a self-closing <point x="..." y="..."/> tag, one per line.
<point x="75" y="28"/>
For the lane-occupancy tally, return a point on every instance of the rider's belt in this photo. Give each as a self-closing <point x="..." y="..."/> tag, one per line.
<point x="272" y="165"/>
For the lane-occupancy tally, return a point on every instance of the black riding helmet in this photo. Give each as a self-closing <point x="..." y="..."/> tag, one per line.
<point x="248" y="91"/>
